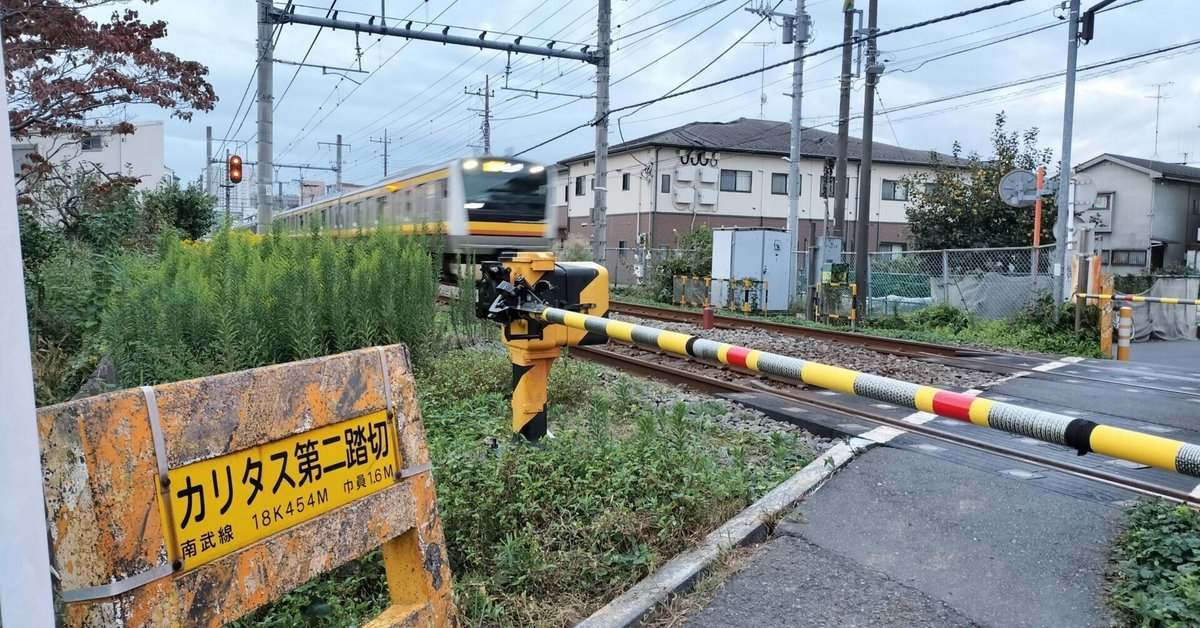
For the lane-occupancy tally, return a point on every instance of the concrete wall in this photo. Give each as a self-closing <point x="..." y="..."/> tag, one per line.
<point x="141" y="154"/>
<point x="1172" y="206"/>
<point x="644" y="208"/>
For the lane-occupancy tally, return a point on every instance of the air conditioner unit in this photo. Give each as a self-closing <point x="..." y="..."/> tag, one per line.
<point x="709" y="175"/>
<point x="685" y="196"/>
<point x="685" y="173"/>
<point x="708" y="197"/>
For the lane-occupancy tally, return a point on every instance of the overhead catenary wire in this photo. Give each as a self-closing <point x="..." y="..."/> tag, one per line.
<point x="838" y="46"/>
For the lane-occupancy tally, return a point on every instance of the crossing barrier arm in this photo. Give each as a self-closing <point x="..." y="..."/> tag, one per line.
<point x="1080" y="434"/>
<point x="1139" y="299"/>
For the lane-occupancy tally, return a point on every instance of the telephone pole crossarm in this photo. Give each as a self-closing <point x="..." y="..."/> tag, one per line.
<point x="280" y="16"/>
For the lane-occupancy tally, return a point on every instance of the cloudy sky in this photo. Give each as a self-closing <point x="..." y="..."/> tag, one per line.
<point x="415" y="90"/>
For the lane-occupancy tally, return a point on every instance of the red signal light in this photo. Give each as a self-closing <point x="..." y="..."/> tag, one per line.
<point x="235" y="169"/>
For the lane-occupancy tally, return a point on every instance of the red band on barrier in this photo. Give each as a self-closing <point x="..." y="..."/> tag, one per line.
<point x="953" y="405"/>
<point x="737" y="355"/>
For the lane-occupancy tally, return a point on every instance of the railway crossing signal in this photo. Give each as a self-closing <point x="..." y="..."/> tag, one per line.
<point x="235" y="169"/>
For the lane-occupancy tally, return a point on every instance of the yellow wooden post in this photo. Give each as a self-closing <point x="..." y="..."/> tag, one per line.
<point x="1106" y="312"/>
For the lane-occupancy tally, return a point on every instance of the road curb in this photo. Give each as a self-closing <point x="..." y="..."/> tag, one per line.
<point x="749" y="526"/>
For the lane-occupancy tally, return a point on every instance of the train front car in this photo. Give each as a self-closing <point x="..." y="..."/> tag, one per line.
<point x="503" y="205"/>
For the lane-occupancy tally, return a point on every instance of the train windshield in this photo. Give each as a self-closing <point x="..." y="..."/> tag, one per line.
<point x="502" y="191"/>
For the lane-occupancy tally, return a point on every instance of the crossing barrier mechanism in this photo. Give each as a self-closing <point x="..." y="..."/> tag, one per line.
<point x="1139" y="299"/>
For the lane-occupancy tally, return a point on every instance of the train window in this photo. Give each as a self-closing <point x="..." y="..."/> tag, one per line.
<point x="380" y="209"/>
<point x="324" y="218"/>
<point x="358" y="213"/>
<point x="408" y="204"/>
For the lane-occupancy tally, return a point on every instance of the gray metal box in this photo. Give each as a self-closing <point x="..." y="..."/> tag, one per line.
<point x="760" y="255"/>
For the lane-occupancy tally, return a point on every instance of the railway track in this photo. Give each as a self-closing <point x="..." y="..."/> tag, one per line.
<point x="961" y="357"/>
<point x="715" y="378"/>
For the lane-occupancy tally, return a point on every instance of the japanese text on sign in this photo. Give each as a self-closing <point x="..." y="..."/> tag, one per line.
<point x="226" y="503"/>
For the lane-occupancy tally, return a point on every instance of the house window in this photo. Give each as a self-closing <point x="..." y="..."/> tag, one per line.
<point x="567" y="193"/>
<point x="1125" y="257"/>
<point x="735" y="180"/>
<point x="893" y="250"/>
<point x="579" y="186"/>
<point x="778" y="183"/>
<point x="621" y="245"/>
<point x="894" y="191"/>
<point x="929" y="188"/>
<point x="92" y="143"/>
<point x="666" y="184"/>
<point x="591" y="183"/>
<point x="625" y="181"/>
<point x="1103" y="201"/>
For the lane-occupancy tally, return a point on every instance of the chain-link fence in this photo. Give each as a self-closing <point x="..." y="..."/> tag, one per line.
<point x="990" y="283"/>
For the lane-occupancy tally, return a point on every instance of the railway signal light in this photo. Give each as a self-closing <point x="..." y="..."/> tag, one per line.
<point x="235" y="169"/>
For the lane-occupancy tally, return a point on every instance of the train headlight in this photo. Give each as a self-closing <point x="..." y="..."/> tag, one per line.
<point x="472" y="205"/>
<point x="536" y="169"/>
<point x="470" y="164"/>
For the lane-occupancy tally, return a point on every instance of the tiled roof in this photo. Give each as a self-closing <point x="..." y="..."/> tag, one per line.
<point x="1166" y="169"/>
<point x="769" y="137"/>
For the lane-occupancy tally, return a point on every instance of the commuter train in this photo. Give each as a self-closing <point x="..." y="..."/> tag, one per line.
<point x="482" y="205"/>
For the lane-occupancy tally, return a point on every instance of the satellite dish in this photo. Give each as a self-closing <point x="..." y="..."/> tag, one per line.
<point x="1085" y="192"/>
<point x="1018" y="188"/>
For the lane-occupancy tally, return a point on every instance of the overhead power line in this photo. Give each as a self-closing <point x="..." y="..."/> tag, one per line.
<point x="838" y="46"/>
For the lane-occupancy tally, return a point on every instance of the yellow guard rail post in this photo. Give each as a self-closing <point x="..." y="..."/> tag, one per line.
<point x="193" y="503"/>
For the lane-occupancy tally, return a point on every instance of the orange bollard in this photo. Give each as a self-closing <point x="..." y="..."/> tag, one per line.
<point x="1124" y="333"/>
<point x="706" y="319"/>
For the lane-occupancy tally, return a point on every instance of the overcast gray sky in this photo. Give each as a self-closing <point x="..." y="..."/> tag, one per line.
<point x="415" y="89"/>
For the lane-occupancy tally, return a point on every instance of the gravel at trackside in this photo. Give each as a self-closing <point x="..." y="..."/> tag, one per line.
<point x="835" y="354"/>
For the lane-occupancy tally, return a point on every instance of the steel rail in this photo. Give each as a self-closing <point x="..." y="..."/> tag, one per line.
<point x="916" y="350"/>
<point x="704" y="383"/>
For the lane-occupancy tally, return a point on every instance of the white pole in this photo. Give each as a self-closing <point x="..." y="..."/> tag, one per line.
<point x="25" y="595"/>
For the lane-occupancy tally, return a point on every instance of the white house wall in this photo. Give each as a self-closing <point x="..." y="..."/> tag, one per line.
<point x="740" y="208"/>
<point x="141" y="154"/>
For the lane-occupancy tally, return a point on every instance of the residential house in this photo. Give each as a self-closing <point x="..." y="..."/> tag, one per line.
<point x="140" y="154"/>
<point x="728" y="174"/>
<point x="1146" y="215"/>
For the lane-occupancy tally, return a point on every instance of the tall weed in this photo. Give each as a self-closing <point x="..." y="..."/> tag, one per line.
<point x="242" y="301"/>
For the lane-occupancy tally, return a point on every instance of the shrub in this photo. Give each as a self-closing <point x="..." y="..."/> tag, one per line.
<point x="243" y="301"/>
<point x="1157" y="579"/>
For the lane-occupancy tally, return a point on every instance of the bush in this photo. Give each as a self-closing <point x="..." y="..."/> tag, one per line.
<point x="1157" y="579"/>
<point x="693" y="258"/>
<point x="243" y="301"/>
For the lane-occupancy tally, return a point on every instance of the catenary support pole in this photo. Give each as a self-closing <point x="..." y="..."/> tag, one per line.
<point x="841" y="184"/>
<point x="339" y="163"/>
<point x="263" y="171"/>
<point x="1080" y="434"/>
<point x="25" y="595"/>
<point x="793" y="178"/>
<point x="1063" y="213"/>
<point x="208" y="184"/>
<point x="862" y="217"/>
<point x="600" y="193"/>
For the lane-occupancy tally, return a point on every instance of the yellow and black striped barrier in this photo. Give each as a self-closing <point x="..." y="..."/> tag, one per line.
<point x="1080" y="434"/>
<point x="1136" y="299"/>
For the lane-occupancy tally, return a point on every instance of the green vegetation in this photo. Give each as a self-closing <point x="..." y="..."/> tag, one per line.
<point x="241" y="301"/>
<point x="84" y="236"/>
<point x="545" y="535"/>
<point x="1139" y="283"/>
<point x="1036" y="330"/>
<point x="957" y="207"/>
<point x="1157" y="578"/>
<point x="692" y="256"/>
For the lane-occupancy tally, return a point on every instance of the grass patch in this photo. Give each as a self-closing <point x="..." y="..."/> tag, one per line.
<point x="1157" y="579"/>
<point x="543" y="536"/>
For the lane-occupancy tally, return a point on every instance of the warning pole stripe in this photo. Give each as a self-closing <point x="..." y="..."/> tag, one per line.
<point x="1060" y="429"/>
<point x="1137" y="299"/>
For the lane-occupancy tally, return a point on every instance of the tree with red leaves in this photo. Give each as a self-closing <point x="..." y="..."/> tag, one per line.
<point x="65" y="70"/>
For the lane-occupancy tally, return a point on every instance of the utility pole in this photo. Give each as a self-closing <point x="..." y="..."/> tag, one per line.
<point x="1062" y="199"/>
<point x="862" y="218"/>
<point x="266" y="54"/>
<point x="795" y="32"/>
<point x="841" y="183"/>
<point x="487" y="112"/>
<point x="338" y="164"/>
<point x="1158" y="98"/>
<point x="385" y="141"/>
<point x="208" y="188"/>
<point x="600" y="194"/>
